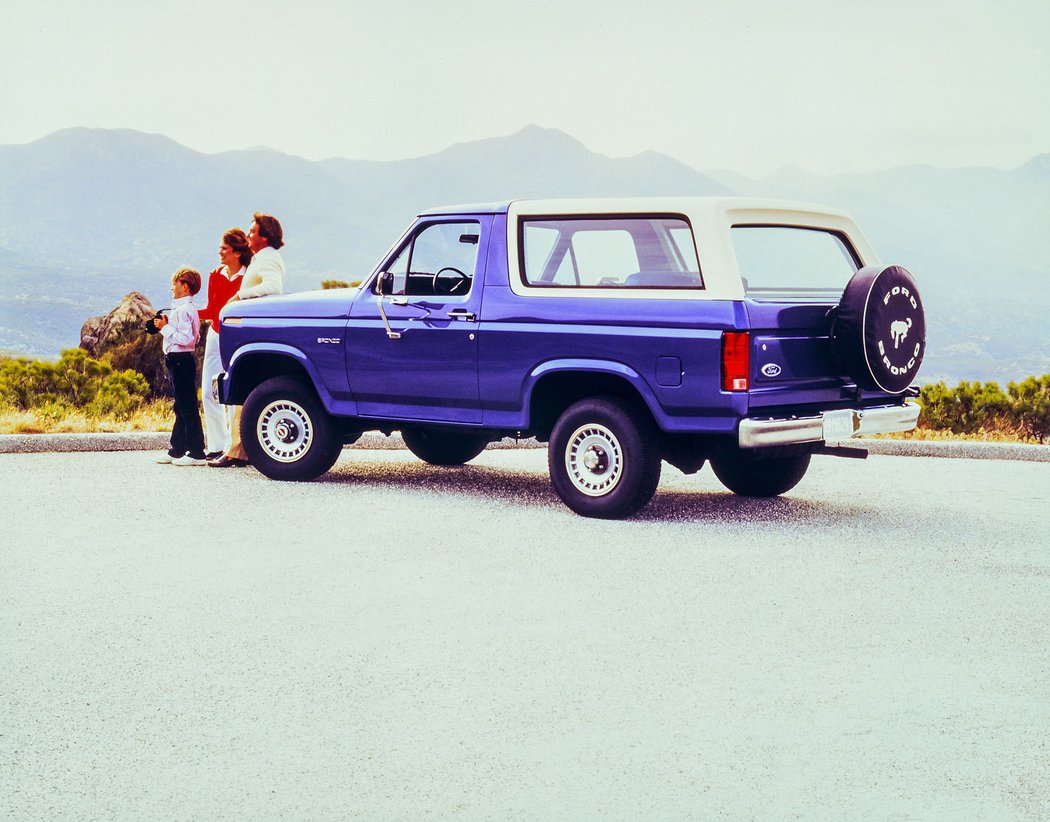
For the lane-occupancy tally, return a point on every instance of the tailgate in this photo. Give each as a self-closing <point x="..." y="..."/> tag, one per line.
<point x="792" y="363"/>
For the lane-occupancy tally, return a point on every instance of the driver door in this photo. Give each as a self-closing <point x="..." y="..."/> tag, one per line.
<point x="426" y="367"/>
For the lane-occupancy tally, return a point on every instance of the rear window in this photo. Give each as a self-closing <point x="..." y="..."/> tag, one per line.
<point x="788" y="263"/>
<point x="609" y="252"/>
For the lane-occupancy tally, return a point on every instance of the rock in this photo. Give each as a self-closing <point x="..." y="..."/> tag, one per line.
<point x="99" y="332"/>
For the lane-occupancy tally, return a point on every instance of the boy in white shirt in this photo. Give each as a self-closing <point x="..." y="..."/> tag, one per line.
<point x="181" y="329"/>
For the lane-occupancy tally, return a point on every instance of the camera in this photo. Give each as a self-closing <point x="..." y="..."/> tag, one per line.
<point x="151" y="324"/>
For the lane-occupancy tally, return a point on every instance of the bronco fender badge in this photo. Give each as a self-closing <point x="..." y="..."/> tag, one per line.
<point x="771" y="369"/>
<point x="329" y="340"/>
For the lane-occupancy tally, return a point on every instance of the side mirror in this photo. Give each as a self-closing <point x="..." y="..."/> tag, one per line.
<point x="385" y="283"/>
<point x="384" y="288"/>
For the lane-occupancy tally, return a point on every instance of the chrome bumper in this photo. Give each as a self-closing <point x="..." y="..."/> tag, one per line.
<point x="758" y="433"/>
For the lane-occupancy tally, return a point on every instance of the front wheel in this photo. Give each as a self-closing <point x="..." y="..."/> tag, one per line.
<point x="286" y="431"/>
<point x="443" y="447"/>
<point x="604" y="458"/>
<point x="742" y="474"/>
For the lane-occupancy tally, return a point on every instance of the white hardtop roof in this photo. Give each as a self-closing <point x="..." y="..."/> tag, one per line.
<point x="711" y="219"/>
<point x="712" y="206"/>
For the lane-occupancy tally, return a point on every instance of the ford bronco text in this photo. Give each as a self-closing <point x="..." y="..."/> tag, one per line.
<point x="750" y="334"/>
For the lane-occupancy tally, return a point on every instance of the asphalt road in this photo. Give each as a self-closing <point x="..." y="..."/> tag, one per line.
<point x="398" y="641"/>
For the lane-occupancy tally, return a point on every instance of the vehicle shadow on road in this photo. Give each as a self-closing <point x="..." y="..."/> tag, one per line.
<point x="725" y="507"/>
<point x="533" y="489"/>
<point x="506" y="485"/>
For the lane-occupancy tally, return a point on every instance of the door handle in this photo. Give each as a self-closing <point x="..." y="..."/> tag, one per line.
<point x="461" y="314"/>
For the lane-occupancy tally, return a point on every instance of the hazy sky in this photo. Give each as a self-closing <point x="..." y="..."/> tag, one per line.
<point x="829" y="85"/>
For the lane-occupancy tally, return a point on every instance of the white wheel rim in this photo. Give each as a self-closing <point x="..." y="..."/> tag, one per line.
<point x="285" y="431"/>
<point x="594" y="460"/>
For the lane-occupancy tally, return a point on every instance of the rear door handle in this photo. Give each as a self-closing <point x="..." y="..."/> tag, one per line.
<point x="461" y="314"/>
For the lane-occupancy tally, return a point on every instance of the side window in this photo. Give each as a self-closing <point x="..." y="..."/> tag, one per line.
<point x="604" y="257"/>
<point x="680" y="240"/>
<point x="609" y="252"/>
<point x="439" y="260"/>
<point x="539" y="246"/>
<point x="785" y="262"/>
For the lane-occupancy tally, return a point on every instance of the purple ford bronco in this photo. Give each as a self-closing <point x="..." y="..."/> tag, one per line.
<point x="750" y="334"/>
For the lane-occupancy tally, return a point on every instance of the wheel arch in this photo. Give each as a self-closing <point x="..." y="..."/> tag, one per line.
<point x="252" y="366"/>
<point x="554" y="386"/>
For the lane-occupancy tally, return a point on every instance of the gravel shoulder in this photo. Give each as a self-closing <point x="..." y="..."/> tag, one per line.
<point x="150" y="441"/>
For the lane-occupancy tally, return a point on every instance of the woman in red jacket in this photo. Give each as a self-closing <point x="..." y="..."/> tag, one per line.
<point x="223" y="283"/>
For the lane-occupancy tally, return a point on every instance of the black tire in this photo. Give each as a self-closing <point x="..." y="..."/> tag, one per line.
<point x="604" y="458"/>
<point x="743" y="474"/>
<point x="443" y="447"/>
<point x="286" y="432"/>
<point x="879" y="332"/>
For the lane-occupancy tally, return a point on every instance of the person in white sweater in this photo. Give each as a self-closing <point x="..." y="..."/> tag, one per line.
<point x="265" y="276"/>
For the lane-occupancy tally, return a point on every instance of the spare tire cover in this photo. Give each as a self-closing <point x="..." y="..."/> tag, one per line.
<point x="879" y="333"/>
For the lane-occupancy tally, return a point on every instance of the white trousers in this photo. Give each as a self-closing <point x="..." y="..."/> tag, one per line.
<point x="217" y="417"/>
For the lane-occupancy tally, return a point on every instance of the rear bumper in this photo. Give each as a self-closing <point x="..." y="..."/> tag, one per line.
<point x="761" y="433"/>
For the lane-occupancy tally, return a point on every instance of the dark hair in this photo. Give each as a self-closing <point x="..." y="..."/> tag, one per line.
<point x="237" y="240"/>
<point x="191" y="277"/>
<point x="270" y="229"/>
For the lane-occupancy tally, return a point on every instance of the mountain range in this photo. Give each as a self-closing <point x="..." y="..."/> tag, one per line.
<point x="87" y="215"/>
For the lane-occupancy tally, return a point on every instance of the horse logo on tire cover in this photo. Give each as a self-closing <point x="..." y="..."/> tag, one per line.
<point x="898" y="297"/>
<point x="899" y="331"/>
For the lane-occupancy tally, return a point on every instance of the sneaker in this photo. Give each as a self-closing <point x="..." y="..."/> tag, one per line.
<point x="165" y="459"/>
<point x="188" y="460"/>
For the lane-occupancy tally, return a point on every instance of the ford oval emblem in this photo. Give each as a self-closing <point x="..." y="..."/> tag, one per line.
<point x="771" y="369"/>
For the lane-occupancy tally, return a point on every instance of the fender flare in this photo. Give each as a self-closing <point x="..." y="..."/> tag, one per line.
<point x="590" y="366"/>
<point x="231" y="385"/>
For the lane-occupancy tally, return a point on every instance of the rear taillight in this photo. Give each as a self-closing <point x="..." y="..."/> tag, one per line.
<point x="736" y="347"/>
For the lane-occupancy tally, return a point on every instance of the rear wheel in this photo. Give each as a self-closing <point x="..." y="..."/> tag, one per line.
<point x="286" y="432"/>
<point x="744" y="474"/>
<point x="443" y="447"/>
<point x="604" y="458"/>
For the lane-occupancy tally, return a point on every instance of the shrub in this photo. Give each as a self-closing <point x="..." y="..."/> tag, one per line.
<point x="76" y="381"/>
<point x="337" y="284"/>
<point x="142" y="353"/>
<point x="77" y="376"/>
<point x="1031" y="407"/>
<point x="119" y="395"/>
<point x="17" y="383"/>
<point x="968" y="408"/>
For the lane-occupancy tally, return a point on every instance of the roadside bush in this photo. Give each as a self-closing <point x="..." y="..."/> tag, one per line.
<point x="119" y="396"/>
<point x="52" y="410"/>
<point x="76" y="381"/>
<point x="969" y="408"/>
<point x="1022" y="411"/>
<point x="1031" y="407"/>
<point x="142" y="353"/>
<point x="20" y="380"/>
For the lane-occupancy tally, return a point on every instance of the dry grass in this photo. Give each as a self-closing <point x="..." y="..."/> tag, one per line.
<point x="157" y="416"/>
<point x="153" y="416"/>
<point x="928" y="435"/>
<point x="998" y="434"/>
